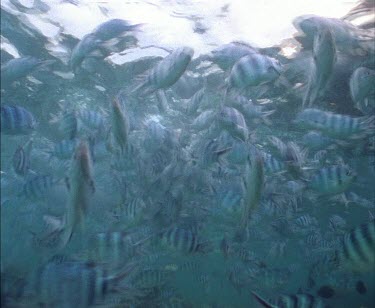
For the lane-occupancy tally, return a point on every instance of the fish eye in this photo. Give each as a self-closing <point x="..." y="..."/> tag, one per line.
<point x="348" y="172"/>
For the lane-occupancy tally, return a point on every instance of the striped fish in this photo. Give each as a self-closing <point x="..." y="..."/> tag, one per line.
<point x="203" y="121"/>
<point x="234" y="123"/>
<point x="21" y="67"/>
<point x="37" y="187"/>
<point x="334" y="125"/>
<point x="182" y="240"/>
<point x="134" y="207"/>
<point x="21" y="159"/>
<point x="316" y="140"/>
<point x="112" y="248"/>
<point x="332" y="180"/>
<point x="195" y="102"/>
<point x="16" y="120"/>
<point x="211" y="152"/>
<point x="166" y="72"/>
<point x="292" y="301"/>
<point x="324" y="55"/>
<point x="149" y="278"/>
<point x="337" y="223"/>
<point x="253" y="70"/>
<point x="68" y="283"/>
<point x="64" y="149"/>
<point x="272" y="165"/>
<point x="68" y="124"/>
<point x="358" y="248"/>
<point x="92" y="119"/>
<point x="306" y="221"/>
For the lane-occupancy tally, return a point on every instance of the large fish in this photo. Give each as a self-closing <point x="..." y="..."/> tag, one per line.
<point x="362" y="89"/>
<point x="166" y="72"/>
<point x="253" y="70"/>
<point x="80" y="185"/>
<point x="334" y="125"/>
<point x="324" y="54"/>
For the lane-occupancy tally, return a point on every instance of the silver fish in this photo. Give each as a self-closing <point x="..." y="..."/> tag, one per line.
<point x="324" y="54"/>
<point x="166" y="72"/>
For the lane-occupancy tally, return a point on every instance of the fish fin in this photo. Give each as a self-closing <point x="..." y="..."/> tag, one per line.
<point x="67" y="183"/>
<point x="54" y="223"/>
<point x="222" y="151"/>
<point x="92" y="186"/>
<point x="262" y="301"/>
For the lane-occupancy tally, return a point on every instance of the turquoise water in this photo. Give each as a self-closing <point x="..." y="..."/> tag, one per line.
<point x="186" y="154"/>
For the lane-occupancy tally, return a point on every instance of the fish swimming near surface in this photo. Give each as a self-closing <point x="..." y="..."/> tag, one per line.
<point x="324" y="55"/>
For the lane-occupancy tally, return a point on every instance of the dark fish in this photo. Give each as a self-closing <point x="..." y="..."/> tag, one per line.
<point x="326" y="292"/>
<point x="21" y="159"/>
<point x="16" y="120"/>
<point x="114" y="28"/>
<point x="21" y="67"/>
<point x="360" y="287"/>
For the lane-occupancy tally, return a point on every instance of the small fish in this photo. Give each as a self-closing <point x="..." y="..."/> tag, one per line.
<point x="92" y="119"/>
<point x="204" y="120"/>
<point x="306" y="221"/>
<point x="68" y="124"/>
<point x="252" y="187"/>
<point x="120" y="125"/>
<point x="134" y="208"/>
<point x="183" y="240"/>
<point x="295" y="300"/>
<point x="211" y="153"/>
<point x="64" y="149"/>
<point x="362" y="89"/>
<point x="361" y="287"/>
<point x="38" y="186"/>
<point x="253" y="70"/>
<point x="16" y="120"/>
<point x="21" y="67"/>
<point x="316" y="140"/>
<point x="195" y="102"/>
<point x="150" y="278"/>
<point x="272" y="165"/>
<point x="234" y="122"/>
<point x="166" y="72"/>
<point x="21" y="159"/>
<point x="334" y="125"/>
<point x="332" y="180"/>
<point x="227" y="55"/>
<point x="64" y="282"/>
<point x="250" y="110"/>
<point x="358" y="252"/>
